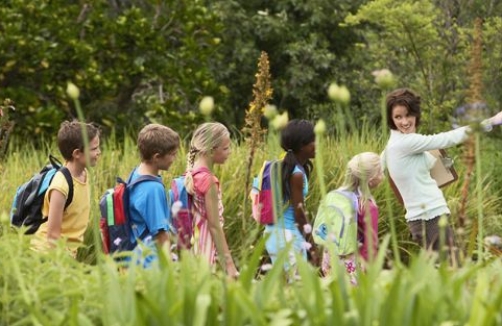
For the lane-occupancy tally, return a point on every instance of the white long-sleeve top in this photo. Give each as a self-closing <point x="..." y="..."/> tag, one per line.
<point x="408" y="161"/>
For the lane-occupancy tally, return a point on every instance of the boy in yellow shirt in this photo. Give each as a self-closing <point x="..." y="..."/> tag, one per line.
<point x="71" y="223"/>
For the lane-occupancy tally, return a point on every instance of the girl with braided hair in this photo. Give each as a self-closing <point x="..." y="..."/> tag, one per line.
<point x="210" y="145"/>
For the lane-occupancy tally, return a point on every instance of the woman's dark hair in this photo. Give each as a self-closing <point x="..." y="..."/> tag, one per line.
<point x="294" y="136"/>
<point x="407" y="98"/>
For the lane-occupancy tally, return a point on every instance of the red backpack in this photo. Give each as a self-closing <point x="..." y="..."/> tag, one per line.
<point x="115" y="223"/>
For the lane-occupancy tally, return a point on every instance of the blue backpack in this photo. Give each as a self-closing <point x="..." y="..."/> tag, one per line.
<point x="115" y="225"/>
<point x="27" y="205"/>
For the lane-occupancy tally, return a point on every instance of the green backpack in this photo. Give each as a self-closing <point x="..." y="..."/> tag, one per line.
<point x="335" y="225"/>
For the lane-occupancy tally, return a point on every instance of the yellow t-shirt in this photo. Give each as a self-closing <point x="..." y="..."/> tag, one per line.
<point x="75" y="216"/>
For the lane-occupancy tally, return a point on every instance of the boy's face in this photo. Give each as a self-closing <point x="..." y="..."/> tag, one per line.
<point x="94" y="153"/>
<point x="165" y="161"/>
<point x="94" y="150"/>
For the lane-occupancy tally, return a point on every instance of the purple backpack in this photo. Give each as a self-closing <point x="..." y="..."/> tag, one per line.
<point x="266" y="193"/>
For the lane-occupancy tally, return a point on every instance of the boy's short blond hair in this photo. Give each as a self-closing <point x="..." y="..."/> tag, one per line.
<point x="70" y="137"/>
<point x="156" y="139"/>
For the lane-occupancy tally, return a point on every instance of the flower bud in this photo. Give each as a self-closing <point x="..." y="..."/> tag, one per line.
<point x="339" y="94"/>
<point x="443" y="221"/>
<point x="384" y="78"/>
<point x="280" y="121"/>
<point x="72" y="91"/>
<point x="206" y="105"/>
<point x="320" y="127"/>
<point x="270" y="111"/>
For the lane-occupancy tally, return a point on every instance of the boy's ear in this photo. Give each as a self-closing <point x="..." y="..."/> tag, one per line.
<point x="76" y="153"/>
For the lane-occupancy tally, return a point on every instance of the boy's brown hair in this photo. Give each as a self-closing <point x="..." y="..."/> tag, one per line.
<point x="155" y="138"/>
<point x="70" y="137"/>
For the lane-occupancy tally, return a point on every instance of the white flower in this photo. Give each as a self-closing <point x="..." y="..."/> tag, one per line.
<point x="175" y="208"/>
<point x="307" y="228"/>
<point x="72" y="91"/>
<point x="206" y="105"/>
<point x="280" y="121"/>
<point x="339" y="94"/>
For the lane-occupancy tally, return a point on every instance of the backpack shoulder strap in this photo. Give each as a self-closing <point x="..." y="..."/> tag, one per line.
<point x="142" y="178"/>
<point x="352" y="197"/>
<point x="67" y="175"/>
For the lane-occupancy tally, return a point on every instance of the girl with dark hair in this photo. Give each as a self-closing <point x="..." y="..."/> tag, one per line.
<point x="298" y="140"/>
<point x="408" y="161"/>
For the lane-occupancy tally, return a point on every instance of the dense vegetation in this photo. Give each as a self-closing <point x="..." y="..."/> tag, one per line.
<point x="140" y="61"/>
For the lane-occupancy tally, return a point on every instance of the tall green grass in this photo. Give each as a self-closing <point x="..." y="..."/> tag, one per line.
<point x="118" y="159"/>
<point x="53" y="289"/>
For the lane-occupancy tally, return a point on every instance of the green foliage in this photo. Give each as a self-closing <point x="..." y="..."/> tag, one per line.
<point x="144" y="61"/>
<point x="427" y="45"/>
<point x="132" y="62"/>
<point x="305" y="44"/>
<point x="48" y="289"/>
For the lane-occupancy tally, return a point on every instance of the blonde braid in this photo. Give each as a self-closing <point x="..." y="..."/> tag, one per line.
<point x="188" y="176"/>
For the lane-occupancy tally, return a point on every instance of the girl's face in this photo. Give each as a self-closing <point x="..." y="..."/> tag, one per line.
<point x="377" y="179"/>
<point x="309" y="150"/>
<point x="223" y="151"/>
<point x="404" y="122"/>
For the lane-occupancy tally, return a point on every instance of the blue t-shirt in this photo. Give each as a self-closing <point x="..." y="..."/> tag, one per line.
<point x="148" y="208"/>
<point x="289" y="214"/>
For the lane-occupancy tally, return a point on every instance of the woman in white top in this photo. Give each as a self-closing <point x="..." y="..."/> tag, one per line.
<point x="409" y="162"/>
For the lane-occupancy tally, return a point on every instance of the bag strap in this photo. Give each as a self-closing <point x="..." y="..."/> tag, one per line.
<point x="67" y="175"/>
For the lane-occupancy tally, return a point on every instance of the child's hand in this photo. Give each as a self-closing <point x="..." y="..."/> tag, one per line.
<point x="314" y="257"/>
<point x="232" y="271"/>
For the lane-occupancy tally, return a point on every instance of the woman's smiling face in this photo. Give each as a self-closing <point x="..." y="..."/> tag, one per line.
<point x="404" y="122"/>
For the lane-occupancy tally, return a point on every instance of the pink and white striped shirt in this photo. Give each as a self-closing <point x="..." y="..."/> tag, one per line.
<point x="204" y="244"/>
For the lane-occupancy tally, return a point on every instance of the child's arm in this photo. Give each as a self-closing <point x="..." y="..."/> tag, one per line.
<point x="162" y="237"/>
<point x="55" y="219"/>
<point x="219" y="239"/>
<point x="297" y="200"/>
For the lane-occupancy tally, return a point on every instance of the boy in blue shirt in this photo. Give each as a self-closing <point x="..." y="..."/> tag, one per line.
<point x="150" y="215"/>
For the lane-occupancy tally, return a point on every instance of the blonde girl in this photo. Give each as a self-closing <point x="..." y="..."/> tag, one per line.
<point x="364" y="172"/>
<point x="210" y="145"/>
